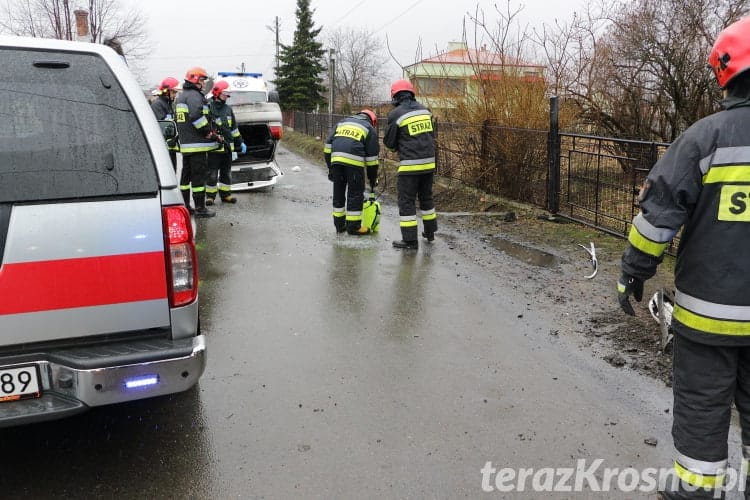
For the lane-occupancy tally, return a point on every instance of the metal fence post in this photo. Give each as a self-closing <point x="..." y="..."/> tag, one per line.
<point x="653" y="156"/>
<point x="553" y="158"/>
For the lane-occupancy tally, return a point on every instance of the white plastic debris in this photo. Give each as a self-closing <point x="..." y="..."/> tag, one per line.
<point x="594" y="262"/>
<point x="296" y="168"/>
<point x="661" y="306"/>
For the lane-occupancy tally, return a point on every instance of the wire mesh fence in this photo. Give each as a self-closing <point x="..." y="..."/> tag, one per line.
<point x="599" y="177"/>
<point x="505" y="161"/>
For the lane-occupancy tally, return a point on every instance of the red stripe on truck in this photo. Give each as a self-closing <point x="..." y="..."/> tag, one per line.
<point x="93" y="281"/>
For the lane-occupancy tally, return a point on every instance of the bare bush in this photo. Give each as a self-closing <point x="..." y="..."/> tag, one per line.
<point x="638" y="70"/>
<point x="107" y="20"/>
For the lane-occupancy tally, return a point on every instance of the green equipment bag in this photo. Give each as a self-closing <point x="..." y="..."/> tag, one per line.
<point x="371" y="213"/>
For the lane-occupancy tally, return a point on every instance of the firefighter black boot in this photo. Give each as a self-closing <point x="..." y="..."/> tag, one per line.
<point x="408" y="245"/>
<point x="186" y="199"/>
<point x="228" y="198"/>
<point x="340" y="224"/>
<point x="200" y="206"/>
<point x="428" y="236"/>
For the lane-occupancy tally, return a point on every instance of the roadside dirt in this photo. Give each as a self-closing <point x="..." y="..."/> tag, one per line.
<point x="550" y="271"/>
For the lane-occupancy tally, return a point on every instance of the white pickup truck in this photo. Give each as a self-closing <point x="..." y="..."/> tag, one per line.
<point x="98" y="265"/>
<point x="258" y="116"/>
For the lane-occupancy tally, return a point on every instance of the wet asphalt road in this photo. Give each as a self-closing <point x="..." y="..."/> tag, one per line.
<point x="342" y="368"/>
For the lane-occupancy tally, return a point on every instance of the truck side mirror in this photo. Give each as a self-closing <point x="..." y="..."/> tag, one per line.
<point x="273" y="96"/>
<point x="168" y="129"/>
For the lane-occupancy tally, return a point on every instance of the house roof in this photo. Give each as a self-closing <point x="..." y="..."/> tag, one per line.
<point x="474" y="56"/>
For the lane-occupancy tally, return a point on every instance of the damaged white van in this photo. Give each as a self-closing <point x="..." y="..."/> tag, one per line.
<point x="258" y="116"/>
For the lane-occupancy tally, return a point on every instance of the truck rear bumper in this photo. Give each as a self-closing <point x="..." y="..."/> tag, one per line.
<point x="74" y="380"/>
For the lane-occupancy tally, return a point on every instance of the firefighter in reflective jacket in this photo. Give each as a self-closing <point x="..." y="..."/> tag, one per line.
<point x="351" y="151"/>
<point x="220" y="160"/>
<point x="197" y="138"/>
<point x="163" y="108"/>
<point x="409" y="132"/>
<point x="702" y="185"/>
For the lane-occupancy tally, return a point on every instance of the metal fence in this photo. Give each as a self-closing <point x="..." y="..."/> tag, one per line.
<point x="312" y="124"/>
<point x="505" y="161"/>
<point x="590" y="179"/>
<point x="600" y="179"/>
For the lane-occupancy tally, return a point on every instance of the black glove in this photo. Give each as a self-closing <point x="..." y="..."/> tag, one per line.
<point x="627" y="286"/>
<point x="330" y="175"/>
<point x="372" y="176"/>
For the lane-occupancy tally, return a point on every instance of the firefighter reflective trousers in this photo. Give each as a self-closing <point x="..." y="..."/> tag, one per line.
<point x="219" y="169"/>
<point x="193" y="176"/>
<point x="707" y="379"/>
<point x="349" y="192"/>
<point x="410" y="188"/>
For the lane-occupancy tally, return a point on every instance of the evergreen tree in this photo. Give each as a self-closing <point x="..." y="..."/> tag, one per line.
<point x="298" y="78"/>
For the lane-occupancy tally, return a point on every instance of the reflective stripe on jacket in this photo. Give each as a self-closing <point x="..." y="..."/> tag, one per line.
<point x="191" y="115"/>
<point x="226" y="124"/>
<point x="410" y="132"/>
<point x="353" y="141"/>
<point x="702" y="185"/>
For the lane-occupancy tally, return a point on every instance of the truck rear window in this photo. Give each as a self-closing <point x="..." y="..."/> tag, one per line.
<point x="67" y="130"/>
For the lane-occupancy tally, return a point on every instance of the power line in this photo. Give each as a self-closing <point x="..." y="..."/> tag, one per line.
<point x="398" y="16"/>
<point x="209" y="56"/>
<point x="349" y="12"/>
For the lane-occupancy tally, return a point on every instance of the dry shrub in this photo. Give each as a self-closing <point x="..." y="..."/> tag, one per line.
<point x="496" y="139"/>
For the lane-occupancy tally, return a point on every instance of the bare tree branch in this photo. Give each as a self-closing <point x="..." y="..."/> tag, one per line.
<point x="108" y="19"/>
<point x="360" y="66"/>
<point x="639" y="69"/>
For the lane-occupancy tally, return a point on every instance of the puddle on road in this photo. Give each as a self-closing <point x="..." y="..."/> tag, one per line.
<point x="525" y="254"/>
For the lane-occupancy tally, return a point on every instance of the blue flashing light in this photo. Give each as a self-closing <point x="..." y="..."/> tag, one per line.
<point x="237" y="73"/>
<point x="142" y="381"/>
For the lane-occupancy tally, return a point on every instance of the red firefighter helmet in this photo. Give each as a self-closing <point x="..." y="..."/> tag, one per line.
<point x="371" y="115"/>
<point x="196" y="74"/>
<point x="730" y="54"/>
<point x="400" y="85"/>
<point x="168" y="84"/>
<point x="219" y="87"/>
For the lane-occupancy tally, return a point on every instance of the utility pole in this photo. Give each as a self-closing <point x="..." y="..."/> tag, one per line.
<point x="277" y="47"/>
<point x="275" y="30"/>
<point x="332" y="83"/>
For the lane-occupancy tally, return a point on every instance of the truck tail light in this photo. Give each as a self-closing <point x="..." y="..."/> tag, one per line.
<point x="181" y="259"/>
<point x="276" y="132"/>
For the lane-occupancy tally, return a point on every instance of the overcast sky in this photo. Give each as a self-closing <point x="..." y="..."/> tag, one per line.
<point x="223" y="34"/>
